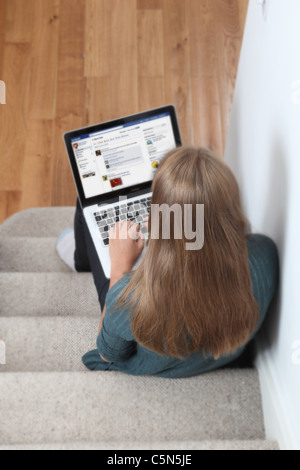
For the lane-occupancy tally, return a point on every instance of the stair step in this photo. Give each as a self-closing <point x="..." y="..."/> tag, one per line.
<point x="40" y="408"/>
<point x="47" y="343"/>
<point x="48" y="294"/>
<point x="49" y="317"/>
<point x="23" y="254"/>
<point x="39" y="222"/>
<point x="156" y="445"/>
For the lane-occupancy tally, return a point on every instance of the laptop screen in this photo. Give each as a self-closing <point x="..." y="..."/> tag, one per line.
<point x="122" y="155"/>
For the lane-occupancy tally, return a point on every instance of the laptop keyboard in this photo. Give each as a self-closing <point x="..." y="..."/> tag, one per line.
<point x="135" y="210"/>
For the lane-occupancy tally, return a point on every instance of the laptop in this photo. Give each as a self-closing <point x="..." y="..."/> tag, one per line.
<point x="113" y="164"/>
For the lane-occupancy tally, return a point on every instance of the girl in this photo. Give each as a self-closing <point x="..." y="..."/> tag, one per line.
<point x="181" y="312"/>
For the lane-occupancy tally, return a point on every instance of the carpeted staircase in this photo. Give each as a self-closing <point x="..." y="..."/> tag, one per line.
<point x="49" y="319"/>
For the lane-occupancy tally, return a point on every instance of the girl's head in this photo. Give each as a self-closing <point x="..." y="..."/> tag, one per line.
<point x="188" y="177"/>
<point x="184" y="300"/>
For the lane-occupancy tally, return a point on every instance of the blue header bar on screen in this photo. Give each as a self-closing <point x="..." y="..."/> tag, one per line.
<point x="128" y="124"/>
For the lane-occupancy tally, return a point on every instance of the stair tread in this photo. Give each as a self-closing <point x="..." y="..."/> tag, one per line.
<point x="38" y="222"/>
<point x="110" y="406"/>
<point x="48" y="294"/>
<point x="49" y="401"/>
<point x="30" y="254"/>
<point x="36" y="344"/>
<point x="155" y="445"/>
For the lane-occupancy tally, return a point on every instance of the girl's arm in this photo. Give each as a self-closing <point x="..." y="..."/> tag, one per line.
<point x="126" y="244"/>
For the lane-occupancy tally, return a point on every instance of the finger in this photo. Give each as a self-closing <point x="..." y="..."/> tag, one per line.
<point x="112" y="232"/>
<point x="146" y="223"/>
<point x="125" y="227"/>
<point x="133" y="231"/>
<point x="115" y="231"/>
<point x="145" y="228"/>
<point x="119" y="231"/>
<point x="141" y="242"/>
<point x="141" y="235"/>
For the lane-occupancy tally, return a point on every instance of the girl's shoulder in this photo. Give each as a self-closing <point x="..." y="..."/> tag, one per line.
<point x="263" y="250"/>
<point x="264" y="267"/>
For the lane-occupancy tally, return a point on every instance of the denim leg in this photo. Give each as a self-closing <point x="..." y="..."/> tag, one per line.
<point x="82" y="263"/>
<point x="86" y="258"/>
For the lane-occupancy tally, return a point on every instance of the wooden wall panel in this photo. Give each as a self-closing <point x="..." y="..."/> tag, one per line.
<point x="10" y="203"/>
<point x="177" y="65"/>
<point x="19" y="21"/>
<point x="72" y="63"/>
<point x="37" y="172"/>
<point x="69" y="96"/>
<point x="228" y="38"/>
<point x="13" y="116"/>
<point x="44" y="59"/>
<point x="2" y="33"/>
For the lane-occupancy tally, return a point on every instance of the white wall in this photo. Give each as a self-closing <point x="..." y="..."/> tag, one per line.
<point x="263" y="149"/>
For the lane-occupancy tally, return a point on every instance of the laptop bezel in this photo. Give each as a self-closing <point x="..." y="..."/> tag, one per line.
<point x="129" y="190"/>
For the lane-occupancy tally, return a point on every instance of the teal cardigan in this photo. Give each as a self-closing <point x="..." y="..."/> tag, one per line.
<point x="117" y="343"/>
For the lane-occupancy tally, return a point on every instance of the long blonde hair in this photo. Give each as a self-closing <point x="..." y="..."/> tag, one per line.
<point x="186" y="301"/>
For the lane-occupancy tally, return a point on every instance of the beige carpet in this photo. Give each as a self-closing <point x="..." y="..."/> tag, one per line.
<point x="49" y="318"/>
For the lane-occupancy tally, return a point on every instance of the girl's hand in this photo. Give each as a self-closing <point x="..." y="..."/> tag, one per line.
<point x="126" y="244"/>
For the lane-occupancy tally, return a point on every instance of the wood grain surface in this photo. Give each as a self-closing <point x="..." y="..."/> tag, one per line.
<point x="72" y="63"/>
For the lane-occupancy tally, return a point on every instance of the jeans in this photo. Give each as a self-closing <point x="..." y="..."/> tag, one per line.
<point x="86" y="258"/>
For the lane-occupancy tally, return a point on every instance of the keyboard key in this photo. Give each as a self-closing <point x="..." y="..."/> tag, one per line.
<point x="106" y="241"/>
<point x="101" y="223"/>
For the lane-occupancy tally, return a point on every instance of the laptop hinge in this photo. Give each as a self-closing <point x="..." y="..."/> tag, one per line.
<point x="132" y="195"/>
